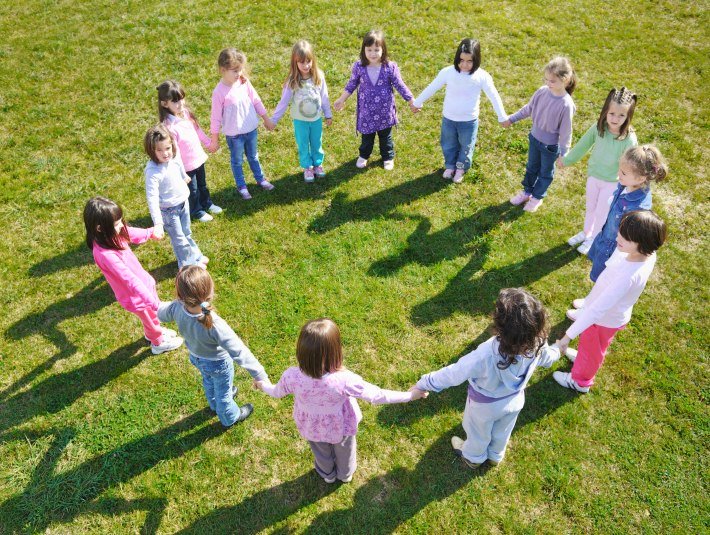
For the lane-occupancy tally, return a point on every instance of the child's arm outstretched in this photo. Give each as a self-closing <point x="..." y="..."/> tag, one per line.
<point x="400" y="86"/>
<point x="112" y="262"/>
<point x="522" y="113"/>
<point x="357" y="387"/>
<point x="216" y="118"/>
<point x="491" y="92"/>
<point x="436" y="84"/>
<point x="580" y="148"/>
<point x="280" y="389"/>
<point x="282" y="106"/>
<point x="240" y="353"/>
<point x="470" y="365"/>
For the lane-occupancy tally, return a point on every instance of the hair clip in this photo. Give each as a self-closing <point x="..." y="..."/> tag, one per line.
<point x="205" y="306"/>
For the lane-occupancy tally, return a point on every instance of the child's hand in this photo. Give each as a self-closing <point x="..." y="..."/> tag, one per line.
<point x="214" y="144"/>
<point x="417" y="393"/>
<point x="563" y="344"/>
<point x="506" y="123"/>
<point x="158" y="232"/>
<point x="560" y="162"/>
<point x="329" y="121"/>
<point x="413" y="107"/>
<point x="269" y="124"/>
<point x="259" y="385"/>
<point x="187" y="180"/>
<point x="339" y="105"/>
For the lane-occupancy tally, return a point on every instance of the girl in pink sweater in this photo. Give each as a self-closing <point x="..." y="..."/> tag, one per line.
<point x="179" y="119"/>
<point x="108" y="236"/>
<point x="324" y="408"/>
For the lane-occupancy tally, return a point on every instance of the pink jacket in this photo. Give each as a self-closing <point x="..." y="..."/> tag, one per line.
<point x="235" y="109"/>
<point x="188" y="136"/>
<point x="134" y="287"/>
<point x="324" y="409"/>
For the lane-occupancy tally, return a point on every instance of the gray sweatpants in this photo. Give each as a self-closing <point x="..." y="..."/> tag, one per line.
<point x="335" y="460"/>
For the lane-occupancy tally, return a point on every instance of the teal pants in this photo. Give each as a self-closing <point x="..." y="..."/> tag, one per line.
<point x="309" y="139"/>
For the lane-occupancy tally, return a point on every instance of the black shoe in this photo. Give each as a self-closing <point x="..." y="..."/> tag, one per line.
<point x="246" y="409"/>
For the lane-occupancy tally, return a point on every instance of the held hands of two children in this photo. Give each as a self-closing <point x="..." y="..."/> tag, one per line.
<point x="418" y="394"/>
<point x="259" y="385"/>
<point x="158" y="232"/>
<point x="506" y="123"/>
<point x="413" y="107"/>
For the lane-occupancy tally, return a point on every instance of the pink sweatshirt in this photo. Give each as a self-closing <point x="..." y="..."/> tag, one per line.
<point x="235" y="109"/>
<point x="188" y="135"/>
<point x="134" y="287"/>
<point x="324" y="409"/>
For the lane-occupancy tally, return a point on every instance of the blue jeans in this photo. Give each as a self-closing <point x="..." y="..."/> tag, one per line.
<point x="309" y="139"/>
<point x="200" y="200"/>
<point x="176" y="221"/>
<point x="458" y="140"/>
<point x="217" y="380"/>
<point x="238" y="145"/>
<point x="540" y="168"/>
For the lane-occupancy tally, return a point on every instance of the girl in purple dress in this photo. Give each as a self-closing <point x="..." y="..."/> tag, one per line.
<point x="374" y="76"/>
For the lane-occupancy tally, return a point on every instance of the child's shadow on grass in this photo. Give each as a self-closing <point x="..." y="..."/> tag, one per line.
<point x="93" y="297"/>
<point x="287" y="190"/>
<point x="264" y="508"/>
<point x="52" y="497"/>
<point x="342" y="210"/>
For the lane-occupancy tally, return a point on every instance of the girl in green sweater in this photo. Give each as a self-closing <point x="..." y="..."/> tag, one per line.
<point x="607" y="139"/>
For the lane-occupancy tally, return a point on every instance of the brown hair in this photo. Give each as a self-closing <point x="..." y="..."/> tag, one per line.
<point x="301" y="51"/>
<point x="319" y="350"/>
<point x="100" y="216"/>
<point x="644" y="228"/>
<point x="155" y="135"/>
<point x="562" y="68"/>
<point x="373" y="37"/>
<point x="195" y="288"/>
<point x="519" y="325"/>
<point x="468" y="46"/>
<point x="622" y="97"/>
<point x="231" y="58"/>
<point x="647" y="161"/>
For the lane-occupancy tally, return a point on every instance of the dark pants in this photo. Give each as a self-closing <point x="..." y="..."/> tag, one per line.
<point x="335" y="460"/>
<point x="386" y="144"/>
<point x="200" y="200"/>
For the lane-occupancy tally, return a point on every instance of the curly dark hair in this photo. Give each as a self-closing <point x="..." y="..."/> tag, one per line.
<point x="519" y="324"/>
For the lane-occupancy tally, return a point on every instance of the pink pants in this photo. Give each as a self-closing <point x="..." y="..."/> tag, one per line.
<point x="593" y="343"/>
<point x="598" y="193"/>
<point x="151" y="325"/>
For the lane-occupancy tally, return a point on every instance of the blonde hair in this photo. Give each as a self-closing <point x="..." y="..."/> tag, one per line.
<point x="195" y="288"/>
<point x="648" y="162"/>
<point x="562" y="68"/>
<point x="300" y="52"/>
<point x="231" y="58"/>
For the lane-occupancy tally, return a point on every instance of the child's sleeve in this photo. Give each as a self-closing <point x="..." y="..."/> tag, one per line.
<point x="565" y="138"/>
<point x="204" y="138"/>
<point x="325" y="99"/>
<point x="240" y="353"/>
<point x="399" y="84"/>
<point x="525" y="111"/>
<point x="152" y="193"/>
<point x="139" y="235"/>
<point x="470" y="365"/>
<point x="216" y="113"/>
<point x="354" y="81"/>
<point x="286" y="96"/>
<point x="283" y="388"/>
<point x="166" y="311"/>
<point x="357" y="387"/>
<point x="491" y="92"/>
<point x="255" y="100"/>
<point x="548" y="355"/>
<point x="436" y="84"/>
<point x="113" y="263"/>
<point x="633" y="140"/>
<point x="582" y="146"/>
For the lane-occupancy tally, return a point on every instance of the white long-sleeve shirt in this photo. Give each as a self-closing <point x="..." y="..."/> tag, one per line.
<point x="165" y="187"/>
<point x="463" y="94"/>
<point x="615" y="293"/>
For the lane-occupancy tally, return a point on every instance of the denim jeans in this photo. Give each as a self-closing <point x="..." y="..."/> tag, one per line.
<point x="217" y="380"/>
<point x="540" y="168"/>
<point x="386" y="144"/>
<point x="200" y="200"/>
<point x="458" y="140"/>
<point x="238" y="145"/>
<point x="176" y="221"/>
<point x="309" y="139"/>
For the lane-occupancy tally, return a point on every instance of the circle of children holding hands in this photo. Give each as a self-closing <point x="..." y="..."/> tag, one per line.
<point x="620" y="235"/>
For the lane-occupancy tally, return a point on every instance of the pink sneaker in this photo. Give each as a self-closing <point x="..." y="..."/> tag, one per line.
<point x="519" y="198"/>
<point x="244" y="192"/>
<point x="319" y="171"/>
<point x="308" y="175"/>
<point x="361" y="163"/>
<point x="458" y="176"/>
<point x="268" y="186"/>
<point x="532" y="205"/>
<point x="448" y="173"/>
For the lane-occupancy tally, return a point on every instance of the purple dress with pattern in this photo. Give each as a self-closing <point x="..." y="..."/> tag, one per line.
<point x="375" y="102"/>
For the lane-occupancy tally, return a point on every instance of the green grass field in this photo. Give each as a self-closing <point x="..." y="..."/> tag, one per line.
<point x="97" y="435"/>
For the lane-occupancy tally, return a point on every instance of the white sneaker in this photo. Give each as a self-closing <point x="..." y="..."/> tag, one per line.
<point x="586" y="245"/>
<point x="458" y="176"/>
<point x="565" y="379"/>
<point x="577" y="239"/>
<point x="573" y="314"/>
<point x="361" y="163"/>
<point x="168" y="345"/>
<point x="329" y="480"/>
<point x="448" y="173"/>
<point x="347" y="479"/>
<point x="205" y="217"/>
<point x="578" y="303"/>
<point x="168" y="333"/>
<point x="571" y="354"/>
<point x="215" y="209"/>
<point x="388" y="165"/>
